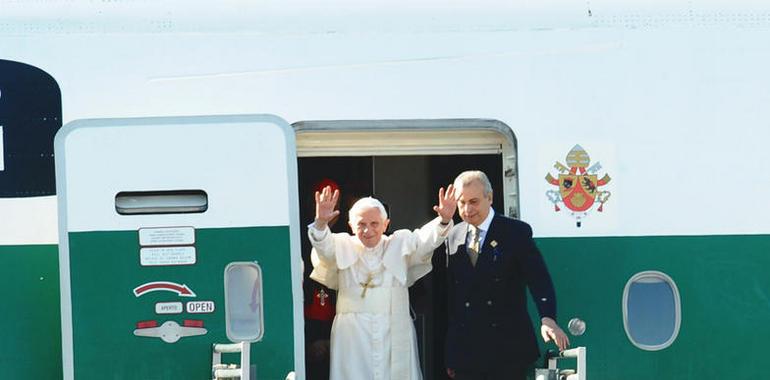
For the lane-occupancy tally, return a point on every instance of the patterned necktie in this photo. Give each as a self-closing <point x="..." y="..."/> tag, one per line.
<point x="473" y="244"/>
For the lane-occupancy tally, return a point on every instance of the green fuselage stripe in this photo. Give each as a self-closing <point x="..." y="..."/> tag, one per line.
<point x="722" y="280"/>
<point x="31" y="329"/>
<point x="725" y="302"/>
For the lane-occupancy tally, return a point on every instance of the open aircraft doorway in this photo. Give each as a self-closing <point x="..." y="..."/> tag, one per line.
<point x="403" y="163"/>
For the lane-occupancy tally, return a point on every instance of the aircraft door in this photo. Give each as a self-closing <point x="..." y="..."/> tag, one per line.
<point x="176" y="234"/>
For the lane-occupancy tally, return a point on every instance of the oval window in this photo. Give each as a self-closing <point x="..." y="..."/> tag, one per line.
<point x="651" y="310"/>
<point x="243" y="302"/>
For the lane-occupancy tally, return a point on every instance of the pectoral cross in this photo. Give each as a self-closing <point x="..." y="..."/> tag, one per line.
<point x="322" y="296"/>
<point x="366" y="285"/>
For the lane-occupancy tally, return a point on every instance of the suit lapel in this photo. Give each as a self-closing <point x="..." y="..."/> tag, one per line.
<point x="486" y="252"/>
<point x="486" y="256"/>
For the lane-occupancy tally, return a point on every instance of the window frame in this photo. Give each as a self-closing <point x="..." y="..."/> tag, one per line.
<point x="228" y="325"/>
<point x="677" y="309"/>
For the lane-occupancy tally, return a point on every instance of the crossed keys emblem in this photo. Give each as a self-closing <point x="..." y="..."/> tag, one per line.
<point x="578" y="185"/>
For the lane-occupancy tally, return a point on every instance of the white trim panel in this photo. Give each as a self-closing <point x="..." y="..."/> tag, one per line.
<point x="242" y="167"/>
<point x="397" y="142"/>
<point x="28" y="221"/>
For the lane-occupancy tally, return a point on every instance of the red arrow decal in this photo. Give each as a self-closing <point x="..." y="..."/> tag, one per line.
<point x="182" y="290"/>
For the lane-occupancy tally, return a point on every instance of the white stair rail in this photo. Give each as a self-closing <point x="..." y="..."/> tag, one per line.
<point x="225" y="371"/>
<point x="580" y="372"/>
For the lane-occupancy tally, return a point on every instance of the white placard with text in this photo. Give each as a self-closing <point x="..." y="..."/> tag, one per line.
<point x="160" y="256"/>
<point x="200" y="307"/>
<point x="168" y="308"/>
<point x="166" y="236"/>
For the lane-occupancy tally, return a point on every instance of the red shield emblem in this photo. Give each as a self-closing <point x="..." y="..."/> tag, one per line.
<point x="578" y="185"/>
<point x="578" y="192"/>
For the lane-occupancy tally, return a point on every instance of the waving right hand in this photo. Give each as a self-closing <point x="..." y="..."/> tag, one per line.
<point x="325" y="201"/>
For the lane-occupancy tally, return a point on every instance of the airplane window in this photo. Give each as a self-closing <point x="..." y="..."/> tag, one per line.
<point x="651" y="310"/>
<point x="161" y="202"/>
<point x="243" y="302"/>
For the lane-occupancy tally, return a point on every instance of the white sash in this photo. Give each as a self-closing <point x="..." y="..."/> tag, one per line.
<point x="393" y="301"/>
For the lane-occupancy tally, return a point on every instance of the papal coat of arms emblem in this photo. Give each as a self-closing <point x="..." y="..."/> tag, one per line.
<point x="578" y="185"/>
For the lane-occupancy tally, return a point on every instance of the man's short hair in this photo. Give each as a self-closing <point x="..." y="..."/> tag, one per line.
<point x="365" y="204"/>
<point x="469" y="176"/>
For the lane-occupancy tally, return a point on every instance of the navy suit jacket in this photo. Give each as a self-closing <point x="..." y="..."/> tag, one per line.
<point x="489" y="325"/>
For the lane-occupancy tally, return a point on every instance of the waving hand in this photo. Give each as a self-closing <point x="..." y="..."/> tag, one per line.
<point x="325" y="201"/>
<point x="446" y="204"/>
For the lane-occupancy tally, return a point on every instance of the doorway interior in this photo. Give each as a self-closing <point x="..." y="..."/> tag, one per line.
<point x="408" y="186"/>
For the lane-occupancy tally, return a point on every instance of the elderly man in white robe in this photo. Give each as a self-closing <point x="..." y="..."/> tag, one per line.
<point x="372" y="335"/>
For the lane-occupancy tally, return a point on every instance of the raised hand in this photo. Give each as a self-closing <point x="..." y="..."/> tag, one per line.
<point x="446" y="204"/>
<point x="325" y="201"/>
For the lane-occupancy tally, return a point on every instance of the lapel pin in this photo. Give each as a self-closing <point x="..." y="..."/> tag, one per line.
<point x="493" y="243"/>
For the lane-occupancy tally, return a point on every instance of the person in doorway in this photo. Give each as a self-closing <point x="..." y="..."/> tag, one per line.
<point x="319" y="311"/>
<point x="492" y="261"/>
<point x="372" y="334"/>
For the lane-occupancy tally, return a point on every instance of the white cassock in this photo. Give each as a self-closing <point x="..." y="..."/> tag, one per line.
<point x="372" y="335"/>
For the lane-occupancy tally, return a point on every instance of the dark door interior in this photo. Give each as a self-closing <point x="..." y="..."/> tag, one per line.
<point x="408" y="186"/>
<point x="30" y="115"/>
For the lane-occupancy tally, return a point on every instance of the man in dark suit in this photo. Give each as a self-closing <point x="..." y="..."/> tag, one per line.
<point x="492" y="261"/>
